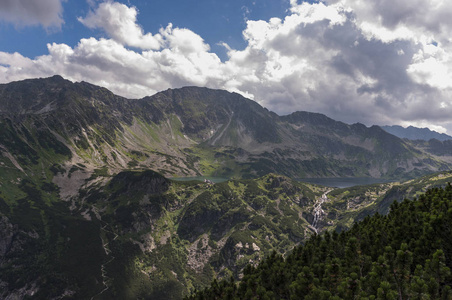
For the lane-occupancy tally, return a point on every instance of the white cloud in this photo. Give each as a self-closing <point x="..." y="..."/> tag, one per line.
<point x="432" y="65"/>
<point x="392" y="19"/>
<point x="119" y="22"/>
<point x="321" y="57"/>
<point x="184" y="61"/>
<point x="47" y="13"/>
<point x="318" y="12"/>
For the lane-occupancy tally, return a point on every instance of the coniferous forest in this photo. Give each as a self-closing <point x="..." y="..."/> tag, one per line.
<point x="406" y="254"/>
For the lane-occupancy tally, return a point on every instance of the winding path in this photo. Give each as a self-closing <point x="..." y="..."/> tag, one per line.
<point x="104" y="275"/>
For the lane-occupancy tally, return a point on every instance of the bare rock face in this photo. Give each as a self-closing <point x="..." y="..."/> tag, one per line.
<point x="199" y="253"/>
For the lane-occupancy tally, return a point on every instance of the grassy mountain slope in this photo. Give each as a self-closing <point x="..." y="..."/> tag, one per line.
<point x="189" y="131"/>
<point x="138" y="234"/>
<point x="348" y="206"/>
<point x="404" y="255"/>
<point x="141" y="235"/>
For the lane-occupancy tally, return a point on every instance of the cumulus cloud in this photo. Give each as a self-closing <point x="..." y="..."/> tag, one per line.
<point x="47" y="13"/>
<point x="398" y="18"/>
<point x="321" y="57"/>
<point x="119" y="22"/>
<point x="184" y="61"/>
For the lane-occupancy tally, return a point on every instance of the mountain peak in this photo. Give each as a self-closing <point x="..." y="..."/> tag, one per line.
<point x="57" y="78"/>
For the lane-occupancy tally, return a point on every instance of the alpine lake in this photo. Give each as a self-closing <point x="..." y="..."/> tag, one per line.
<point x="337" y="182"/>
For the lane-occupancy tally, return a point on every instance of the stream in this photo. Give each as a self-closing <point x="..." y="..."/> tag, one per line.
<point x="318" y="211"/>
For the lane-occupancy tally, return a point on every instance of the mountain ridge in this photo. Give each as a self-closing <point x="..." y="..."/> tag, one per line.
<point x="415" y="133"/>
<point x="193" y="131"/>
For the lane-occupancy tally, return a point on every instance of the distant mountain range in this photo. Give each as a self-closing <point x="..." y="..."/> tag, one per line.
<point x="415" y="133"/>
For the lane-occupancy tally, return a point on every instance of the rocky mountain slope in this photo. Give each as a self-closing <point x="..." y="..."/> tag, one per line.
<point x="140" y="235"/>
<point x="345" y="207"/>
<point x="187" y="132"/>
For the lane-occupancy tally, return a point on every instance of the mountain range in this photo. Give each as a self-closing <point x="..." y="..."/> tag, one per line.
<point x="415" y="133"/>
<point x="191" y="132"/>
<point x="87" y="210"/>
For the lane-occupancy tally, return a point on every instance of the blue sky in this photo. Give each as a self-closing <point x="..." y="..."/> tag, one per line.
<point x="215" y="21"/>
<point x="385" y="62"/>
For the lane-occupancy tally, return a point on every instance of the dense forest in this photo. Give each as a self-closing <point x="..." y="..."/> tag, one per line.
<point x="406" y="254"/>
